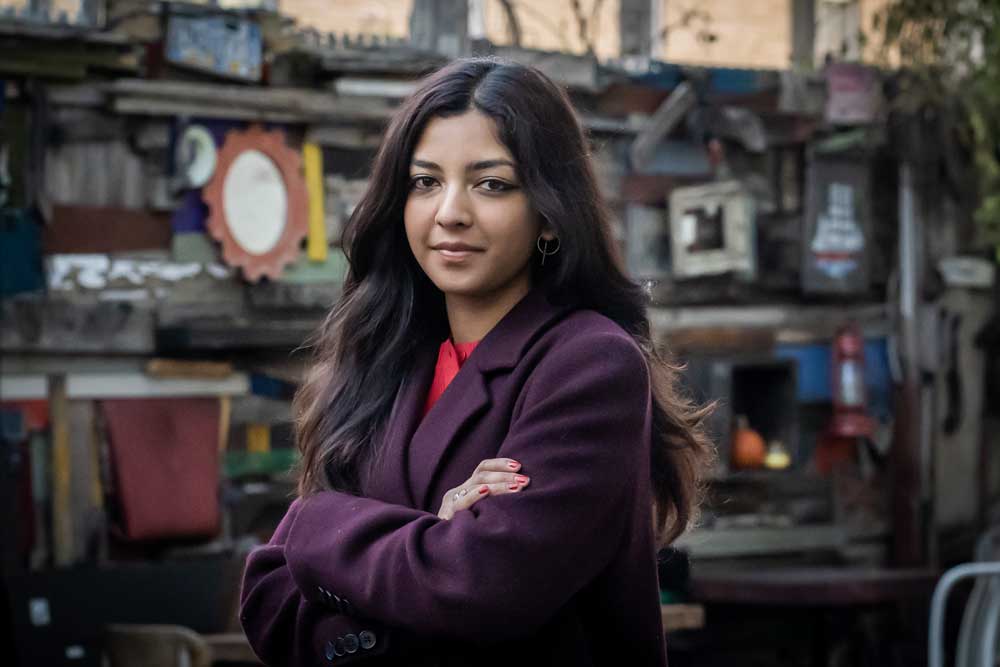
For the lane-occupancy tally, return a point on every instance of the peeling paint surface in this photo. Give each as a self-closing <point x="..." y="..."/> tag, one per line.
<point x="98" y="272"/>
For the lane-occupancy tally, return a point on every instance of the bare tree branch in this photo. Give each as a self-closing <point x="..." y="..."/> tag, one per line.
<point x="512" y="23"/>
<point x="542" y="19"/>
<point x="581" y="23"/>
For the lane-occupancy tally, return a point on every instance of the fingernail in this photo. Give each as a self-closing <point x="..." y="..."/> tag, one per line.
<point x="514" y="487"/>
<point x="514" y="465"/>
<point x="483" y="489"/>
<point x="521" y="479"/>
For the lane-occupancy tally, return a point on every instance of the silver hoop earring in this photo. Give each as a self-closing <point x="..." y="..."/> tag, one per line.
<point x="545" y="250"/>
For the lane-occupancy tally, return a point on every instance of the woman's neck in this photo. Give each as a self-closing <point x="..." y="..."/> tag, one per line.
<point x="472" y="317"/>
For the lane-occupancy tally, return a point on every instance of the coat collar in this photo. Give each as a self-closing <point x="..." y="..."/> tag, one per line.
<point x="416" y="451"/>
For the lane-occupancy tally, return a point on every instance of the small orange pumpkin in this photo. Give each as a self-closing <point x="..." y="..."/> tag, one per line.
<point x="747" y="446"/>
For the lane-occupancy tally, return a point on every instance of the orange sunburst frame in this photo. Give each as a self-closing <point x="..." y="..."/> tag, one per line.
<point x="289" y="165"/>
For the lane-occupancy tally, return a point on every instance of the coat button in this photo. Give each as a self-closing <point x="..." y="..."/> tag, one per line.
<point x="351" y="643"/>
<point x="328" y="651"/>
<point x="338" y="646"/>
<point x="367" y="638"/>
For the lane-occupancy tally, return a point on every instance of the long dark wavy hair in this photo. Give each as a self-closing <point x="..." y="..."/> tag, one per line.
<point x="389" y="308"/>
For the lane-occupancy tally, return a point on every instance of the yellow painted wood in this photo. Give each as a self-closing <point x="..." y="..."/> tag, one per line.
<point x="258" y="438"/>
<point x="62" y="515"/>
<point x="316" y="244"/>
<point x="225" y="413"/>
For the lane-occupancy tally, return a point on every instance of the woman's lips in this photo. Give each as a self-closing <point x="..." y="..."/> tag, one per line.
<point x="456" y="255"/>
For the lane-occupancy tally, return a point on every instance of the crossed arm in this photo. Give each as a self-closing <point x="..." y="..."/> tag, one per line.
<point x="500" y="569"/>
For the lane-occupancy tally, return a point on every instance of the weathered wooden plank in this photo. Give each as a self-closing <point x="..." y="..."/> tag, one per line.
<point x="104" y="229"/>
<point x="76" y="95"/>
<point x="183" y="368"/>
<point x="365" y="87"/>
<point x="96" y="385"/>
<point x="342" y="136"/>
<point x="63" y="33"/>
<point x="708" y="543"/>
<point x="791" y="322"/>
<point x="293" y="101"/>
<point x="158" y="107"/>
<point x="66" y="326"/>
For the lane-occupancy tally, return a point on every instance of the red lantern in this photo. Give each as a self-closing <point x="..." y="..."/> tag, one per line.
<point x="850" y="405"/>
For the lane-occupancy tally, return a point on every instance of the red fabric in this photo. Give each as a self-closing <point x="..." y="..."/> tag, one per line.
<point x="34" y="412"/>
<point x="165" y="456"/>
<point x="451" y="356"/>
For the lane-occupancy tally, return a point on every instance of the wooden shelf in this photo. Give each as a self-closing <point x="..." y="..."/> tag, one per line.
<point x="706" y="543"/>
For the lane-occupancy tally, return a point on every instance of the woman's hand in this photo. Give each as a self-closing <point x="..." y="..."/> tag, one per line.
<point x="491" y="477"/>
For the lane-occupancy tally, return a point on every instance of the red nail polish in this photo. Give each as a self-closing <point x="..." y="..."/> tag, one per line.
<point x="514" y="487"/>
<point x="483" y="489"/>
<point x="521" y="479"/>
<point x="513" y="465"/>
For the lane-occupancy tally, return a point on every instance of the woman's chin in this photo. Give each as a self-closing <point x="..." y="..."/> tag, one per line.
<point x="462" y="290"/>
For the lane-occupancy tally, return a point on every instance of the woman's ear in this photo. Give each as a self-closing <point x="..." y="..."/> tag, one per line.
<point x="547" y="233"/>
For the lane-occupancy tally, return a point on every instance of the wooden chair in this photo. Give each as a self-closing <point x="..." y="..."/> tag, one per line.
<point x="156" y="646"/>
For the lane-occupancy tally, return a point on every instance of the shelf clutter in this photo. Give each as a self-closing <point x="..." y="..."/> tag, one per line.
<point x="148" y="329"/>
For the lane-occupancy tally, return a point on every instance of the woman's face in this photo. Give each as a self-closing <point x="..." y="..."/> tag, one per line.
<point x="468" y="221"/>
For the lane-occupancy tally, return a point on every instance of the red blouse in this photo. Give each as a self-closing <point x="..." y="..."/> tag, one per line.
<point x="451" y="356"/>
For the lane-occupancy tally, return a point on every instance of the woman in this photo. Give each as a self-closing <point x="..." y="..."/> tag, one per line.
<point x="487" y="425"/>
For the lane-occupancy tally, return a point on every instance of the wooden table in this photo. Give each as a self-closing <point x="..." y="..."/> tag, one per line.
<point x="829" y="600"/>
<point x="812" y="586"/>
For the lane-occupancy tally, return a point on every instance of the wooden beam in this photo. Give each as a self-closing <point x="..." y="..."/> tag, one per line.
<point x="64" y="33"/>
<point x="290" y="101"/>
<point x="791" y="323"/>
<point x="705" y="543"/>
<point x="124" y="385"/>
<point x="62" y="515"/>
<point x="181" y="368"/>
<point x="909" y="463"/>
<point x="670" y="112"/>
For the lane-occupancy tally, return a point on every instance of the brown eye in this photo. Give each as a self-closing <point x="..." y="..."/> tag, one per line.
<point x="496" y="185"/>
<point x="422" y="183"/>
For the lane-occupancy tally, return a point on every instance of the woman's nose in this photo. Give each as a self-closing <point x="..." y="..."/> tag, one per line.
<point x="454" y="207"/>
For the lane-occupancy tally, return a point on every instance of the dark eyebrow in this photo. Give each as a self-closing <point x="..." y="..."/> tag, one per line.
<point x="475" y="166"/>
<point x="489" y="164"/>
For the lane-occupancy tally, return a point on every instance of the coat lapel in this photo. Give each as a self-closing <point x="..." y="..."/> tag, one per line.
<point x="467" y="397"/>
<point x="392" y="484"/>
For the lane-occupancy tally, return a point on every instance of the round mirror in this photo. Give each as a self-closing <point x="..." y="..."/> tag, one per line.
<point x="255" y="202"/>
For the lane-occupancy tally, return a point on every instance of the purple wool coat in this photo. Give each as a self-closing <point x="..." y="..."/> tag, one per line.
<point x="561" y="573"/>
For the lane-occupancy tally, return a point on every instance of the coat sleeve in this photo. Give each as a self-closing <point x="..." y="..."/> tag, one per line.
<point x="284" y="628"/>
<point x="504" y="567"/>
